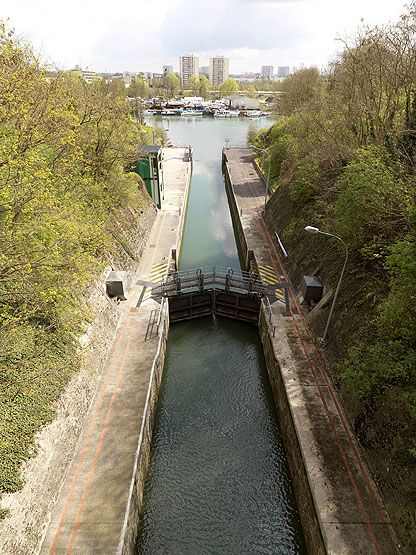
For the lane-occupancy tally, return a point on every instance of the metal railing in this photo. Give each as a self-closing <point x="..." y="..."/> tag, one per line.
<point x="222" y="279"/>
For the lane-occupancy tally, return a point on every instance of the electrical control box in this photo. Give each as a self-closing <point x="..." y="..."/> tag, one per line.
<point x="116" y="285"/>
<point x="312" y="289"/>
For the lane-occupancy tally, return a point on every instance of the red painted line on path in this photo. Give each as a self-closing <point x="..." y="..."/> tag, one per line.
<point x="100" y="443"/>
<point x="86" y="443"/>
<point x="324" y="372"/>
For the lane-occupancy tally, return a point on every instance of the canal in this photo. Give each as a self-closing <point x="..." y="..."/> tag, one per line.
<point x="218" y="481"/>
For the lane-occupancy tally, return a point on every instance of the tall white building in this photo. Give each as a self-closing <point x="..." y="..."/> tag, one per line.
<point x="283" y="71"/>
<point x="218" y="70"/>
<point x="188" y="65"/>
<point x="267" y="72"/>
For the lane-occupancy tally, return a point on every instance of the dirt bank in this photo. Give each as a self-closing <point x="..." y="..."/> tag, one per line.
<point x="21" y="532"/>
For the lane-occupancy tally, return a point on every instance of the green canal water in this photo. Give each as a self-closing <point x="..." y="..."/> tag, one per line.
<point x="218" y="481"/>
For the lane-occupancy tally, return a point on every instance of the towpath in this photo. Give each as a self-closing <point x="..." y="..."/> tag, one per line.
<point x="90" y="516"/>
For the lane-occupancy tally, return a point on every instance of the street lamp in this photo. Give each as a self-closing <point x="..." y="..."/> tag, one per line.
<point x="264" y="150"/>
<point x="311" y="229"/>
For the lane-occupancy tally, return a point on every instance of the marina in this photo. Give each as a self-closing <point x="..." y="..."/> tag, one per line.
<point x="197" y="107"/>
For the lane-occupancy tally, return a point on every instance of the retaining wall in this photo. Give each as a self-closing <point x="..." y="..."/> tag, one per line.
<point x="246" y="255"/>
<point x="275" y="363"/>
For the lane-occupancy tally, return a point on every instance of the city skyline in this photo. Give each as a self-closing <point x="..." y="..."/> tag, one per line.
<point x="250" y="33"/>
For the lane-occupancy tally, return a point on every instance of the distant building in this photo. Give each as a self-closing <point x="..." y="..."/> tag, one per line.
<point x="188" y="66"/>
<point x="218" y="70"/>
<point x="194" y="100"/>
<point x="86" y="74"/>
<point x="167" y="69"/>
<point x="283" y="71"/>
<point x="242" y="102"/>
<point x="204" y="70"/>
<point x="267" y="72"/>
<point x="127" y="76"/>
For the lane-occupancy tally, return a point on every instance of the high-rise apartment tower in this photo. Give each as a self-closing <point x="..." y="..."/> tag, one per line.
<point x="188" y="65"/>
<point x="218" y="70"/>
<point x="283" y="71"/>
<point x="267" y="72"/>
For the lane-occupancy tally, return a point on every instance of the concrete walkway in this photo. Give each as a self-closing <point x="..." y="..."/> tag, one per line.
<point x="350" y="514"/>
<point x="90" y="512"/>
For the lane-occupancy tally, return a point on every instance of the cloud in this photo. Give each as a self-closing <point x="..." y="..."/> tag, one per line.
<point x="142" y="36"/>
<point x="273" y="1"/>
<point x="229" y="24"/>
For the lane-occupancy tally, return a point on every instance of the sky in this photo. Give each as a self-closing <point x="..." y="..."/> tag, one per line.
<point x="137" y="35"/>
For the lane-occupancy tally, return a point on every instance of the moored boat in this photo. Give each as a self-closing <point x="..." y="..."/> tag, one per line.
<point x="226" y="114"/>
<point x="191" y="113"/>
<point x="171" y="112"/>
<point x="254" y="113"/>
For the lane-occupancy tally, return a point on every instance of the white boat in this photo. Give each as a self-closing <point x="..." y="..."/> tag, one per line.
<point x="226" y="114"/>
<point x="171" y="112"/>
<point x="191" y="113"/>
<point x="254" y="114"/>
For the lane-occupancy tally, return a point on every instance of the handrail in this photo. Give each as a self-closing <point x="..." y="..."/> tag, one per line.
<point x="229" y="280"/>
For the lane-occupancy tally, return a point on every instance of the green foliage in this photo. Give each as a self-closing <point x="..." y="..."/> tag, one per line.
<point x="204" y="86"/>
<point x="386" y="365"/>
<point x="64" y="145"/>
<point x="298" y="89"/>
<point x="138" y="88"/>
<point x="4" y="513"/>
<point x="194" y="84"/>
<point x="280" y="144"/>
<point x="172" y="84"/>
<point x="250" y="90"/>
<point x="305" y="183"/>
<point x="229" y="87"/>
<point x="398" y="312"/>
<point x="374" y="204"/>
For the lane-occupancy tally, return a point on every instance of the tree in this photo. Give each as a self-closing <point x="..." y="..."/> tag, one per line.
<point x="64" y="147"/>
<point x="250" y="90"/>
<point x="118" y="86"/>
<point x="298" y="89"/>
<point x="139" y="88"/>
<point x="204" y="86"/>
<point x="172" y="84"/>
<point x="229" y="87"/>
<point x="194" y="84"/>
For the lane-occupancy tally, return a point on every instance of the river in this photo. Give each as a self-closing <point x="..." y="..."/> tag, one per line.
<point x="218" y="481"/>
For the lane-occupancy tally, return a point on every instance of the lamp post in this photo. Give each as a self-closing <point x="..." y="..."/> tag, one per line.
<point x="311" y="229"/>
<point x="264" y="150"/>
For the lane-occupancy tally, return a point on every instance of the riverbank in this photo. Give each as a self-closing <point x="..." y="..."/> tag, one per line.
<point x="29" y="508"/>
<point x="100" y="498"/>
<point x="339" y="504"/>
<point x="85" y="490"/>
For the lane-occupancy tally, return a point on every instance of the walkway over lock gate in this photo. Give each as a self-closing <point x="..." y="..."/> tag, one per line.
<point x="226" y="292"/>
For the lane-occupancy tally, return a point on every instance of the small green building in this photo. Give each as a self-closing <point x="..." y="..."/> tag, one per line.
<point x="149" y="167"/>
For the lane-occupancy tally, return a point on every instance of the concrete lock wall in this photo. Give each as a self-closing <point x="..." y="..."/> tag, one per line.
<point x="135" y="502"/>
<point x="304" y="498"/>
<point x="307" y="509"/>
<point x="245" y="254"/>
